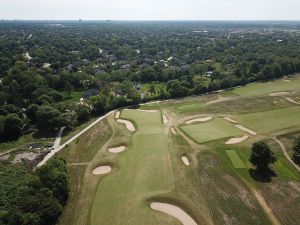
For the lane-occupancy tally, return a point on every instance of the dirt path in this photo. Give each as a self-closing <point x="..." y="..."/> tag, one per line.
<point x="52" y="153"/>
<point x="286" y="154"/>
<point x="58" y="138"/>
<point x="265" y="206"/>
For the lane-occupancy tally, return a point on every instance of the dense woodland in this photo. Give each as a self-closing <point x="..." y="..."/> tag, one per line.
<point x="33" y="198"/>
<point x="42" y="65"/>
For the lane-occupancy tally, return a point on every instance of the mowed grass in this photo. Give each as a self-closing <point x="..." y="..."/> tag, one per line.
<point x="210" y="131"/>
<point x="235" y="159"/>
<point x="269" y="87"/>
<point x="272" y="120"/>
<point x="143" y="170"/>
<point x="188" y="107"/>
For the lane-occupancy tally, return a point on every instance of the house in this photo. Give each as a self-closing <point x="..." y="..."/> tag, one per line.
<point x="91" y="92"/>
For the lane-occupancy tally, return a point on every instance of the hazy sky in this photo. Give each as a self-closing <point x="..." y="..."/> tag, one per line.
<point x="151" y="9"/>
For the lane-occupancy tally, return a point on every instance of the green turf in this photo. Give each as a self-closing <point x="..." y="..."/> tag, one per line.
<point x="235" y="159"/>
<point x="144" y="170"/>
<point x="188" y="107"/>
<point x="272" y="120"/>
<point x="210" y="131"/>
<point x="269" y="87"/>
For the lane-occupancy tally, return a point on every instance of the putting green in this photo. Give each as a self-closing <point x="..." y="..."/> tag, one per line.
<point x="218" y="128"/>
<point x="235" y="159"/>
<point x="143" y="170"/>
<point x="272" y="120"/>
<point x="269" y="87"/>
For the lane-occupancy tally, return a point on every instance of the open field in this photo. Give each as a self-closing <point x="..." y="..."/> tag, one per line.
<point x="209" y="131"/>
<point x="262" y="88"/>
<point x="273" y="120"/>
<point x="216" y="186"/>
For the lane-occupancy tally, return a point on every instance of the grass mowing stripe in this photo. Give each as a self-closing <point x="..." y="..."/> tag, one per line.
<point x="235" y="159"/>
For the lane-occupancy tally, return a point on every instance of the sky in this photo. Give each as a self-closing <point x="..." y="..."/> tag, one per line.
<point x="150" y="9"/>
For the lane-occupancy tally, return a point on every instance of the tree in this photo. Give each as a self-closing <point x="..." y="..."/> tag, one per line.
<point x="31" y="112"/>
<point x="83" y="113"/>
<point x="47" y="118"/>
<point x="98" y="104"/>
<point x="262" y="156"/>
<point x="152" y="88"/>
<point x="296" y="149"/>
<point x="13" y="126"/>
<point x="68" y="87"/>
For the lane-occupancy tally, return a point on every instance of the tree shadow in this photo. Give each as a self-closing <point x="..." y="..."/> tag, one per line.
<point x="264" y="177"/>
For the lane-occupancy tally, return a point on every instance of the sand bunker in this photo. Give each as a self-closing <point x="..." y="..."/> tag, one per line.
<point x="233" y="141"/>
<point x="203" y="119"/>
<point x="117" y="149"/>
<point x="117" y="115"/>
<point x="173" y="130"/>
<point x="128" y="124"/>
<point x="185" y="160"/>
<point x="286" y="80"/>
<point x="245" y="129"/>
<point x="230" y="120"/>
<point x="279" y="93"/>
<point x="102" y="170"/>
<point x="174" y="211"/>
<point x="165" y="119"/>
<point x="150" y="110"/>
<point x="292" y="101"/>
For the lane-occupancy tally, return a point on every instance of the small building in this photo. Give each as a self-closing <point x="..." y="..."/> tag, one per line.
<point x="89" y="93"/>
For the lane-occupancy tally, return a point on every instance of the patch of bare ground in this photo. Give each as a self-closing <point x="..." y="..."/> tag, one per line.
<point x="202" y="119"/>
<point x="129" y="125"/>
<point x="246" y="129"/>
<point x="117" y="115"/>
<point x="117" y="149"/>
<point x="165" y="119"/>
<point x="173" y="130"/>
<point x="282" y="93"/>
<point x="230" y="120"/>
<point x="237" y="140"/>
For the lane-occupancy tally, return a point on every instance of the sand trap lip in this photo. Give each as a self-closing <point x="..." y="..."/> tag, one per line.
<point x="128" y="124"/>
<point x="233" y="141"/>
<point x="279" y="93"/>
<point x="185" y="160"/>
<point x="202" y="119"/>
<point x="165" y="119"/>
<point x="148" y="110"/>
<point x="174" y="211"/>
<point x="292" y="101"/>
<point x="102" y="170"/>
<point x="230" y="120"/>
<point x="117" y="115"/>
<point x="245" y="129"/>
<point x="173" y="130"/>
<point x="117" y="149"/>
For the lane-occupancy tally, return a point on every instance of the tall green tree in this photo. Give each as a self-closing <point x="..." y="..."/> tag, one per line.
<point x="262" y="156"/>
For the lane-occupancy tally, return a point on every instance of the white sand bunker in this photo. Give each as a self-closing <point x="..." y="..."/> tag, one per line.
<point x="102" y="170"/>
<point x="292" y="101"/>
<point x="117" y="149"/>
<point x="202" y="119"/>
<point x="185" y="160"/>
<point x="165" y="119"/>
<point x="174" y="211"/>
<point x="230" y="120"/>
<point x="245" y="129"/>
<point x="287" y="80"/>
<point x="128" y="124"/>
<point x="150" y="110"/>
<point x="173" y="130"/>
<point x="233" y="141"/>
<point x="282" y="93"/>
<point x="117" y="115"/>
